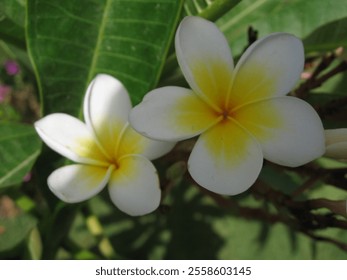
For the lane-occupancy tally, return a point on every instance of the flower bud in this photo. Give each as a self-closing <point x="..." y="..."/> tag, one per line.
<point x="336" y="143"/>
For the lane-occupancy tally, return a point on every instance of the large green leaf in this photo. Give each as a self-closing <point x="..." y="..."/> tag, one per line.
<point x="71" y="41"/>
<point x="14" y="230"/>
<point x="299" y="17"/>
<point x="12" y="14"/>
<point x="328" y="36"/>
<point x="19" y="148"/>
<point x="15" y="10"/>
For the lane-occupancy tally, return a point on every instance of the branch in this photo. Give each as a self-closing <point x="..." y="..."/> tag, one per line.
<point x="315" y="81"/>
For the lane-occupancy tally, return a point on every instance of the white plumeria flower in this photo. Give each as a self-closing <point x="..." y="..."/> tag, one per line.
<point x="336" y="143"/>
<point x="106" y="150"/>
<point x="241" y="113"/>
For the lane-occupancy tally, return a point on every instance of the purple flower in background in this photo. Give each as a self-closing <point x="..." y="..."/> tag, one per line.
<point x="12" y="67"/>
<point x="4" y="91"/>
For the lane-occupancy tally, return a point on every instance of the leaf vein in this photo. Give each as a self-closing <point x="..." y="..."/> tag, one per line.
<point x="19" y="166"/>
<point x="127" y="57"/>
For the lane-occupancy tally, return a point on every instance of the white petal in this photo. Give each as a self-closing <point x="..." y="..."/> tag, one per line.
<point x="76" y="183"/>
<point x="106" y="108"/>
<point x="333" y="136"/>
<point x="289" y="130"/>
<point x="70" y="137"/>
<point x="134" y="143"/>
<point x="226" y="159"/>
<point x="337" y="151"/>
<point x="336" y="143"/>
<point x="134" y="186"/>
<point x="205" y="58"/>
<point x="171" y="114"/>
<point x="270" y="67"/>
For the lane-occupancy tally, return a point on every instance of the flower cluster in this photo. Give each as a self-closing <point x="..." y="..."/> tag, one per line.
<point x="241" y="115"/>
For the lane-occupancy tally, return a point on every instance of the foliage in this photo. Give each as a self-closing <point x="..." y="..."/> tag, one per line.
<point x="61" y="45"/>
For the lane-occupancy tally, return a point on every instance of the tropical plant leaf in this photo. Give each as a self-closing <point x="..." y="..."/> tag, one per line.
<point x="328" y="37"/>
<point x="17" y="53"/>
<point x="13" y="230"/>
<point x="70" y="43"/>
<point x="34" y="244"/>
<point x="19" y="148"/>
<point x="12" y="14"/>
<point x="266" y="16"/>
<point x="12" y="32"/>
<point x="15" y="10"/>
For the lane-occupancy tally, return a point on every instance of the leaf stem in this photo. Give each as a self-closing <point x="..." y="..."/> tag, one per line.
<point x="315" y="80"/>
<point x="217" y="9"/>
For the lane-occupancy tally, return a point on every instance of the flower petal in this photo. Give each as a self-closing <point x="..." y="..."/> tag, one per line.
<point x="205" y="59"/>
<point x="76" y="183"/>
<point x="336" y="143"/>
<point x="106" y="108"/>
<point x="333" y="136"/>
<point x="134" y="143"/>
<point x="289" y="129"/>
<point x="70" y="137"/>
<point x="270" y="67"/>
<point x="134" y="186"/>
<point x="171" y="114"/>
<point x="337" y="151"/>
<point x="226" y="159"/>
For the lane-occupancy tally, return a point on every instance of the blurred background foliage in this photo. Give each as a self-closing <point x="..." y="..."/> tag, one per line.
<point x="49" y="52"/>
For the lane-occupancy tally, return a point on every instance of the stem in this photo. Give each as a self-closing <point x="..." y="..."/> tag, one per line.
<point x="338" y="207"/>
<point x="58" y="228"/>
<point x="298" y="215"/>
<point x="337" y="243"/>
<point x="314" y="81"/>
<point x="217" y="9"/>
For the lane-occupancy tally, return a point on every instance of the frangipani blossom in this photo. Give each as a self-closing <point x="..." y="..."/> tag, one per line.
<point x="241" y="113"/>
<point x="336" y="143"/>
<point x="106" y="149"/>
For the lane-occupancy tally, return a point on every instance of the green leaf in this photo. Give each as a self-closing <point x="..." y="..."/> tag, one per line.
<point x="57" y="228"/>
<point x="19" y="148"/>
<point x="13" y="230"/>
<point x="15" y="10"/>
<point x="70" y="43"/>
<point x="12" y="32"/>
<point x="299" y="17"/>
<point x="34" y="244"/>
<point x="10" y="51"/>
<point x="328" y="37"/>
<point x="12" y="15"/>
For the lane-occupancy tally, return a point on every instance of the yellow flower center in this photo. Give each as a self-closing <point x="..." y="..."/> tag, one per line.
<point x="233" y="100"/>
<point x="109" y="147"/>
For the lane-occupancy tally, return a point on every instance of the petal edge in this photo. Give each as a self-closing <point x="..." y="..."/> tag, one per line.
<point x="76" y="183"/>
<point x="134" y="186"/>
<point x="226" y="159"/>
